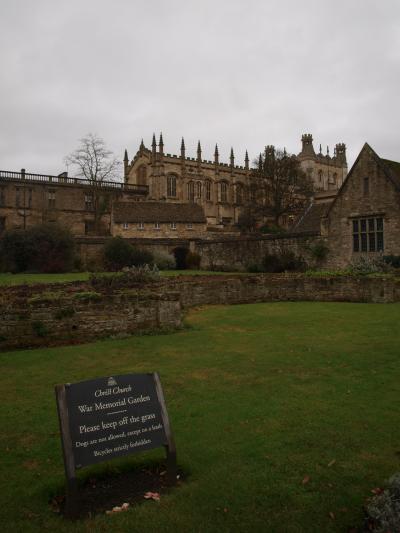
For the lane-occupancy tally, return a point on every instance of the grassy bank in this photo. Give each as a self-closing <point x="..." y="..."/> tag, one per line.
<point x="285" y="417"/>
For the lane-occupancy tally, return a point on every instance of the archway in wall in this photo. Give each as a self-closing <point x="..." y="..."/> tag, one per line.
<point x="180" y="253"/>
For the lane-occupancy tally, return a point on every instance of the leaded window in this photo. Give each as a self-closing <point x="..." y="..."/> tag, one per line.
<point x="368" y="234"/>
<point x="224" y="192"/>
<point x="190" y="191"/>
<point x="208" y="190"/>
<point x="171" y="186"/>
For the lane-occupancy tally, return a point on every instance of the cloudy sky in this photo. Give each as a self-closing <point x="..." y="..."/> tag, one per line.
<point x="242" y="73"/>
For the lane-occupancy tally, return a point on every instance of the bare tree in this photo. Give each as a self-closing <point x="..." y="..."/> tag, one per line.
<point x="94" y="162"/>
<point x="283" y="188"/>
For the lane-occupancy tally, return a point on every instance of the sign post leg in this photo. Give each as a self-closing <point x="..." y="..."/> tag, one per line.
<point x="71" y="498"/>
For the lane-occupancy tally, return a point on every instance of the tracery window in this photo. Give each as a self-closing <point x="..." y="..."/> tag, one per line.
<point x="208" y="190"/>
<point x="171" y="186"/>
<point x="190" y="191"/>
<point x="141" y="175"/>
<point x="223" y="192"/>
<point x="239" y="194"/>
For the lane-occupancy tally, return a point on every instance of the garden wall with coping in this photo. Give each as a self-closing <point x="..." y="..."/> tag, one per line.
<point x="69" y="313"/>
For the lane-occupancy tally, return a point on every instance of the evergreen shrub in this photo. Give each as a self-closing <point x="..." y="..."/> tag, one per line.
<point x="43" y="248"/>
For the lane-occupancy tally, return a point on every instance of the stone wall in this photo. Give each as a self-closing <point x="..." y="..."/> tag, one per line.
<point x="75" y="312"/>
<point x="216" y="254"/>
<point x="239" y="252"/>
<point x="250" y="288"/>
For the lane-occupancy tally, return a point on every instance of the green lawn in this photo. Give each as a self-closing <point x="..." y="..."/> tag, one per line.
<point x="20" y="279"/>
<point x="259" y="397"/>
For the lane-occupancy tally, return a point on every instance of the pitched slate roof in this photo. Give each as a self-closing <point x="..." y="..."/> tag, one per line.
<point x="157" y="212"/>
<point x="311" y="218"/>
<point x="393" y="168"/>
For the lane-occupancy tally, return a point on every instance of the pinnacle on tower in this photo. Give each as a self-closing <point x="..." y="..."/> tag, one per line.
<point x="216" y="154"/>
<point x="260" y="162"/>
<point x="198" y="151"/>
<point x="161" y="145"/>
<point x="246" y="161"/>
<point x="232" y="158"/>
<point x="141" y="147"/>
<point x="183" y="148"/>
<point x="126" y="155"/>
<point x="153" y="143"/>
<point x="327" y="151"/>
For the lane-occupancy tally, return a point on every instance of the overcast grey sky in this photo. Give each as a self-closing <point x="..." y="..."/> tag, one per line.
<point x="240" y="73"/>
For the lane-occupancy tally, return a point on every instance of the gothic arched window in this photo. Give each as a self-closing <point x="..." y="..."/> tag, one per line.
<point x="208" y="190"/>
<point x="141" y="175"/>
<point x="171" y="185"/>
<point x="223" y="191"/>
<point x="198" y="189"/>
<point x="239" y="194"/>
<point x="190" y="191"/>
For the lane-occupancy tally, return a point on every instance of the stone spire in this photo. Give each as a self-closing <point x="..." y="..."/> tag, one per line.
<point x="161" y="145"/>
<point x="232" y="158"/>
<point x="183" y="149"/>
<point x="198" y="152"/>
<point x="153" y="149"/>
<point x="126" y="163"/>
<point x="246" y="161"/>
<point x="216" y="155"/>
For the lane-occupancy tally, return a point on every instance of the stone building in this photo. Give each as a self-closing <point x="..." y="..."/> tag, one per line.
<point x="158" y="220"/>
<point x="221" y="189"/>
<point x="363" y="219"/>
<point x="30" y="199"/>
<point x="327" y="173"/>
<point x="218" y="187"/>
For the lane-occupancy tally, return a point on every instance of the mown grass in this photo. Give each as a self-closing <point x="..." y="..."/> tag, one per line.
<point x="21" y="279"/>
<point x="259" y="396"/>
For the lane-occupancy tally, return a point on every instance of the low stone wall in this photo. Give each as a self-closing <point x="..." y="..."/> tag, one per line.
<point x="76" y="312"/>
<point x="73" y="313"/>
<point x="239" y="252"/>
<point x="246" y="288"/>
<point x="216" y="253"/>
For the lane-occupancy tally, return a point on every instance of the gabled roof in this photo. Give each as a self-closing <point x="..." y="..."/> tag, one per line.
<point x="157" y="212"/>
<point x="391" y="169"/>
<point x="311" y="218"/>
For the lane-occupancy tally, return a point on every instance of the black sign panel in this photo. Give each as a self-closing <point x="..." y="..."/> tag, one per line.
<point x="114" y="416"/>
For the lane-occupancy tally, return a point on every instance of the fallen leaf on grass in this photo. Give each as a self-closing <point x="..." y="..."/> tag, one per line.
<point x="152" y="496"/>
<point x="332" y="463"/>
<point x="306" y="479"/>
<point x="332" y="515"/>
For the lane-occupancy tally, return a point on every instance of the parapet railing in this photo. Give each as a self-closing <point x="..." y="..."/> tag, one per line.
<point x="63" y="179"/>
